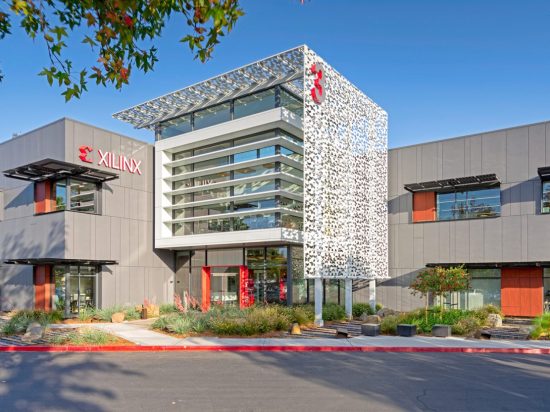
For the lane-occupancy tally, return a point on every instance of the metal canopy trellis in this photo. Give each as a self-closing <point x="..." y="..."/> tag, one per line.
<point x="285" y="68"/>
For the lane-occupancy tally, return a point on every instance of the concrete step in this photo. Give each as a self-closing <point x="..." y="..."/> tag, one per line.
<point x="508" y="333"/>
<point x="518" y="321"/>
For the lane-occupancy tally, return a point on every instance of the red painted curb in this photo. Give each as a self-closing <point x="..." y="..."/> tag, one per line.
<point x="407" y="349"/>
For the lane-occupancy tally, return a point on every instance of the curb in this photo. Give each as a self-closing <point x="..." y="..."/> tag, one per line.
<point x="227" y="348"/>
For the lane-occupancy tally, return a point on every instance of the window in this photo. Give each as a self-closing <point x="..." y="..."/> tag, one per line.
<point x="292" y="154"/>
<point x="211" y="194"/>
<point x="211" y="148"/>
<point x="292" y="204"/>
<point x="292" y="171"/>
<point x="292" y="222"/>
<point x="212" y="116"/>
<point x="207" y="164"/>
<point x="256" y="103"/>
<point x="213" y="225"/>
<point x="76" y="195"/>
<point x="469" y="204"/>
<point x="484" y="290"/>
<point x="255" y="204"/>
<point x="292" y="103"/>
<point x="292" y="187"/>
<point x="213" y="178"/>
<point x="264" y="221"/>
<point x="254" y="170"/>
<point x="545" y="197"/>
<point x="254" y="187"/>
<point x="175" y="126"/>
<point x="75" y="289"/>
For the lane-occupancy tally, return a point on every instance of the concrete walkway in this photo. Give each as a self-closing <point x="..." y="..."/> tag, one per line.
<point x="140" y="334"/>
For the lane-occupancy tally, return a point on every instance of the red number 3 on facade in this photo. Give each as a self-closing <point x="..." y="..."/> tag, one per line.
<point x="318" y="89"/>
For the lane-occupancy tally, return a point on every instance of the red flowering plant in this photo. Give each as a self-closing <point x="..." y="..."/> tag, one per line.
<point x="440" y="281"/>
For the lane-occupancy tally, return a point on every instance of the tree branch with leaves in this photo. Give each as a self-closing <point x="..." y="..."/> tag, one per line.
<point x="120" y="32"/>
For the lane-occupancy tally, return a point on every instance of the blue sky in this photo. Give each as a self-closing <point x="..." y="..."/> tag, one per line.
<point x="439" y="68"/>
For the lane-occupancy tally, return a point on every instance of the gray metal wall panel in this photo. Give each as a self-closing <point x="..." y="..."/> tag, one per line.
<point x="518" y="235"/>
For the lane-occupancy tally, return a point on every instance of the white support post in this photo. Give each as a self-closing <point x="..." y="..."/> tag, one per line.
<point x="372" y="294"/>
<point x="348" y="298"/>
<point x="319" y="302"/>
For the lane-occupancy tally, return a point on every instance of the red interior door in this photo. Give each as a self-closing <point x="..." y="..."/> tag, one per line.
<point x="521" y="291"/>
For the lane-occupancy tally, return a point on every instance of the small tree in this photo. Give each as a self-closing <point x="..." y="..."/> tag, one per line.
<point x="439" y="281"/>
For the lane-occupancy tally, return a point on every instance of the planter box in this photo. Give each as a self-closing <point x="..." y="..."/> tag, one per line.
<point x="370" y="329"/>
<point x="342" y="333"/>
<point x="441" y="331"/>
<point x="406" y="330"/>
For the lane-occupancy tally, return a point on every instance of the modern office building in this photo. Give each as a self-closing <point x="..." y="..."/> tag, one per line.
<point x="76" y="221"/>
<point x="265" y="179"/>
<point x="270" y="183"/>
<point x="482" y="201"/>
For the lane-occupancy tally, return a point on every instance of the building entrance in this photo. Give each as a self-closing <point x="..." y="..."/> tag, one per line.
<point x="226" y="286"/>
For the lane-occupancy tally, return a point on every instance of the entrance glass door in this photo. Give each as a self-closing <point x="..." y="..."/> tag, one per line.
<point x="75" y="289"/>
<point x="224" y="286"/>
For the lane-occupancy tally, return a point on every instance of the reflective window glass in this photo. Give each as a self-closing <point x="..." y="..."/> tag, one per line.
<point x="60" y="190"/>
<point x="175" y="126"/>
<point x="254" y="187"/>
<point x="292" y="204"/>
<point x="212" y="225"/>
<point x="545" y="197"/>
<point x="212" y="116"/>
<point x="255" y="204"/>
<point x="256" y="103"/>
<point x="264" y="221"/>
<point x="468" y="204"/>
<point x="292" y="171"/>
<point x="211" y="148"/>
<point x="267" y="151"/>
<point x="207" y="164"/>
<point x="211" y="194"/>
<point x="182" y="229"/>
<point x="245" y="156"/>
<point x="213" y="178"/>
<point x="182" y="184"/>
<point x="292" y="222"/>
<point x="292" y="154"/>
<point x="254" y="170"/>
<point x="291" y="103"/>
<point x="291" y="187"/>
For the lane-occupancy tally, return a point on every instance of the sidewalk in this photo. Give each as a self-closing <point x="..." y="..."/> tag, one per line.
<point x="145" y="339"/>
<point x="140" y="335"/>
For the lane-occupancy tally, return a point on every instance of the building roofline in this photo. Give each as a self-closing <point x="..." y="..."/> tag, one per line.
<point x="65" y="120"/>
<point x="503" y="129"/>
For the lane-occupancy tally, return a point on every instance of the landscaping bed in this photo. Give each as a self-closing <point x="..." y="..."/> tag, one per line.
<point x="463" y="322"/>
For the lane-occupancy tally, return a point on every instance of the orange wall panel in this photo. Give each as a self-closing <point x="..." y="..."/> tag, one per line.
<point x="44" y="201"/>
<point x="521" y="292"/>
<point x="423" y="207"/>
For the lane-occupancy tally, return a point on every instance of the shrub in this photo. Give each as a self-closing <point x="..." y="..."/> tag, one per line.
<point x="359" y="308"/>
<point x="303" y="314"/>
<point x="389" y="324"/>
<point x="21" y="320"/>
<point x="167" y="308"/>
<point x="85" y="336"/>
<point x="105" y="314"/>
<point x="466" y="326"/>
<point x="131" y="313"/>
<point x="86" y="314"/>
<point x="378" y="307"/>
<point x="541" y="327"/>
<point x="332" y="311"/>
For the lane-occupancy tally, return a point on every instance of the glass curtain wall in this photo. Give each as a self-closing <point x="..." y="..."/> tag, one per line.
<point x="546" y="285"/>
<point x="233" y="109"/>
<point x="75" y="289"/>
<point x="280" y="211"/>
